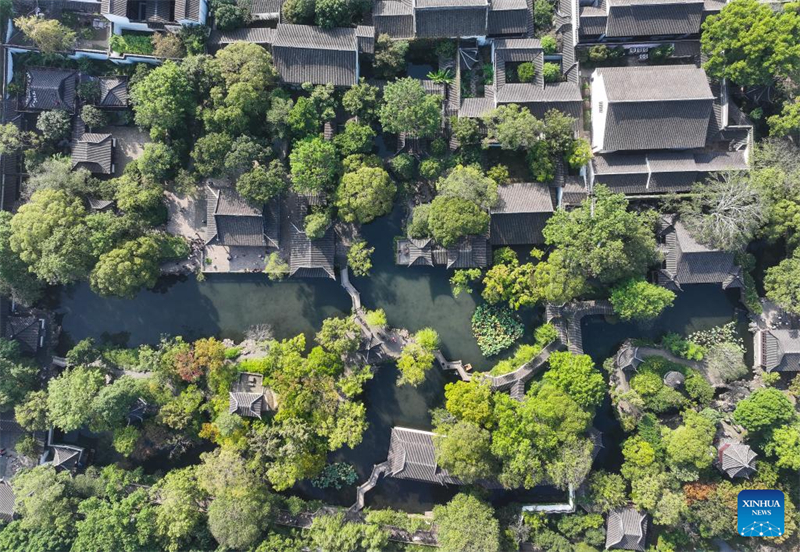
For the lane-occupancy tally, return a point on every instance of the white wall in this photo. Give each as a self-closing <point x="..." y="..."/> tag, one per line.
<point x="599" y="98"/>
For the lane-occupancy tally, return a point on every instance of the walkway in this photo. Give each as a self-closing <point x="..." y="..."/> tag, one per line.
<point x="377" y="471"/>
<point x="567" y="320"/>
<point x="355" y="296"/>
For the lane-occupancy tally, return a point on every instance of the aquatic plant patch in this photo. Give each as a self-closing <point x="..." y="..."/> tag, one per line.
<point x="495" y="328"/>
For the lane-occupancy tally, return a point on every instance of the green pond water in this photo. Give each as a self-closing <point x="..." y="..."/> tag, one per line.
<point x="226" y="306"/>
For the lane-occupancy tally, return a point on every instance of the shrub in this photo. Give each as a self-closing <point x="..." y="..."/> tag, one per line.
<point x="549" y="44"/>
<point x="545" y="334"/>
<point x="403" y="166"/>
<point x="551" y="72"/>
<point x="682" y="347"/>
<point x="698" y="389"/>
<point x="543" y="12"/>
<point x="598" y="53"/>
<point x="276" y="268"/>
<point x="495" y="328"/>
<point x="376" y="317"/>
<point x="431" y="168"/>
<point x="316" y="224"/>
<point x="523" y="354"/>
<point x="526" y="71"/>
<point x="168" y="45"/>
<point x="499" y="173"/>
<point x="132" y="43"/>
<point x="93" y="117"/>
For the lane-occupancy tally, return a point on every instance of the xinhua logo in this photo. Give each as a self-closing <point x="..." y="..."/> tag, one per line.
<point x="760" y="513"/>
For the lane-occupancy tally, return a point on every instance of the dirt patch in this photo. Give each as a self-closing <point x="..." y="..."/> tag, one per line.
<point x="130" y="145"/>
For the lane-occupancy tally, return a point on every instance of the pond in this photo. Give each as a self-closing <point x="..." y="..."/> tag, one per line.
<point x="226" y="306"/>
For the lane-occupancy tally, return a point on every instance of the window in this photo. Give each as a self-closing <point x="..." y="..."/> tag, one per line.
<point x="600" y="107"/>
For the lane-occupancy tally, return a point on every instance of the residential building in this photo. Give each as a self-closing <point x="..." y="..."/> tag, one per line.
<point x="520" y="214"/>
<point x="736" y="459"/>
<point x="307" y="258"/>
<point x="48" y="88"/>
<point x="153" y="15"/>
<point x="402" y="19"/>
<point x="470" y="252"/>
<point x="411" y="456"/>
<point x="686" y="261"/>
<point x="660" y="129"/>
<point x="113" y="92"/>
<point x="94" y="152"/>
<point x="305" y="53"/>
<point x="28" y="327"/>
<point x="777" y="350"/>
<point x="626" y="529"/>
<point x="248" y="396"/>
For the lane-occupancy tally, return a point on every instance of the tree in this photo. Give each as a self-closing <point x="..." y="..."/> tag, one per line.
<point x="316" y="224"/>
<point x="451" y="218"/>
<point x="509" y="282"/>
<point x="129" y="268"/>
<point x="259" y="185"/>
<point x="725" y="211"/>
<point x="471" y="402"/>
<point x="361" y="101"/>
<point x="602" y="239"/>
<point x="141" y="200"/>
<point x="461" y="280"/>
<point x="765" y="409"/>
<point x="464" y="450"/>
<point x="276" y="268"/>
<point x="163" y="100"/>
<point x="390" y="56"/>
<point x="49" y="35"/>
<point x="607" y="491"/>
<point x="637" y="299"/>
<point x="56" y="173"/>
<point x="554" y="282"/>
<point x="782" y="283"/>
<point x="237" y="516"/>
<point x="123" y="524"/>
<point x="109" y="409"/>
<point x="54" y="125"/>
<point x="158" y="162"/>
<point x="750" y="44"/>
<point x="17" y="377"/>
<point x="577" y="376"/>
<point x="691" y="443"/>
<point x="247" y="63"/>
<point x="314" y="165"/>
<point x="178" y="517"/>
<point x="49" y="235"/>
<point x="339" y="335"/>
<point x="229" y="16"/>
<point x="13" y="139"/>
<point x="333" y="13"/>
<point x="513" y="127"/>
<point x="471" y="184"/>
<point x="359" y="258"/>
<point x="784" y="445"/>
<point x="407" y="108"/>
<point x="417" y="357"/>
<point x="31" y="414"/>
<point x="209" y="153"/>
<point x="543" y="12"/>
<point x="168" y="45"/>
<point x="246" y="154"/>
<point x="298" y="11"/>
<point x="43" y="501"/>
<point x="70" y="395"/>
<point x="465" y="524"/>
<point x="364" y="195"/>
<point x="93" y="117"/>
<point x="356" y="138"/>
<point x="15" y="278"/>
<point x="331" y="533"/>
<point x="726" y="360"/>
<point x="787" y="122"/>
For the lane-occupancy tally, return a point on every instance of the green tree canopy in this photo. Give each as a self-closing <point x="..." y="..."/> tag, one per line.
<point x="408" y="108"/>
<point x="602" y="239"/>
<point x="751" y="44"/>
<point x="49" y="35"/>
<point x="15" y="278"/>
<point x="163" y="100"/>
<point x="471" y="184"/>
<point x="578" y="377"/>
<point x="361" y="100"/>
<point x="782" y="283"/>
<point x="466" y="524"/>
<point x="314" y="165"/>
<point x="763" y="410"/>
<point x="513" y="127"/>
<point x="70" y="396"/>
<point x="261" y="184"/>
<point x="464" y="450"/>
<point x="637" y="299"/>
<point x="124" y="271"/>
<point x="452" y="218"/>
<point x="364" y="195"/>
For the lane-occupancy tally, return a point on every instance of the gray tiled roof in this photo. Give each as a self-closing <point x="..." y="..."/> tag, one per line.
<point x="114" y="7"/>
<point x="246" y="404"/>
<point x="736" y="460"/>
<point x="256" y="35"/>
<point x="655" y="83"/>
<point x="644" y="18"/>
<point x="48" y="88"/>
<point x="780" y="350"/>
<point x="231" y="221"/>
<point x="451" y="19"/>
<point x="521" y="214"/>
<point x="113" y="92"/>
<point x="307" y="258"/>
<point x="188" y="10"/>
<point x="66" y="457"/>
<point x="7" y="501"/>
<point x="470" y="252"/>
<point x="475" y="107"/>
<point x="508" y="17"/>
<point x="530" y="93"/>
<point x="690" y="262"/>
<point x="668" y="107"/>
<point x="626" y="528"/>
<point x="394" y="18"/>
<point x="412" y="456"/>
<point x="304" y="53"/>
<point x="264" y="7"/>
<point x="93" y="152"/>
<point x="25" y="330"/>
